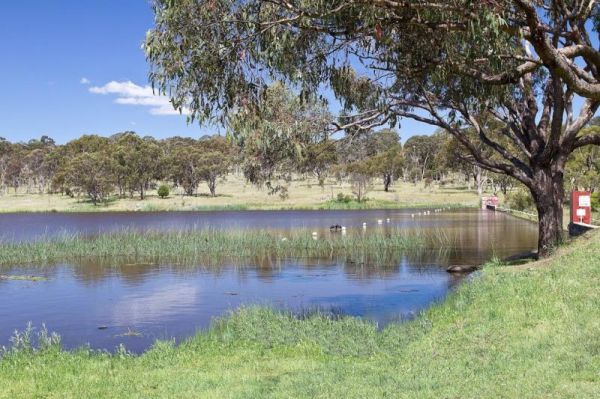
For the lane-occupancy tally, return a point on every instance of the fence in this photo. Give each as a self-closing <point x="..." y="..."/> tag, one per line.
<point x="532" y="215"/>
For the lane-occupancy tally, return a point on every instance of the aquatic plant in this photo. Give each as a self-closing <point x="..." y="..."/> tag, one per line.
<point x="195" y="244"/>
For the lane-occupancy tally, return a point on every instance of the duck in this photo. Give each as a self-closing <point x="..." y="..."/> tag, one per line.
<point x="335" y="227"/>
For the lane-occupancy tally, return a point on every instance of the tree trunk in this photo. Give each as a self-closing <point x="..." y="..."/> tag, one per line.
<point x="548" y="193"/>
<point x="479" y="180"/>
<point x="387" y="180"/>
<point x="212" y="186"/>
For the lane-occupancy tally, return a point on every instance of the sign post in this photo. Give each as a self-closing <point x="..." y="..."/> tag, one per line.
<point x="581" y="207"/>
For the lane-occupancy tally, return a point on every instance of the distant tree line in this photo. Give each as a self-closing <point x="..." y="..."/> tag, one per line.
<point x="127" y="165"/>
<point x="124" y="164"/>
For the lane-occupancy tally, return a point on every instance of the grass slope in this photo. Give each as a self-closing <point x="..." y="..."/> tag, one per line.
<point x="516" y="332"/>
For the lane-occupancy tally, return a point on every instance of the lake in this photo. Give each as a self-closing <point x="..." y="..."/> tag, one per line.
<point x="101" y="301"/>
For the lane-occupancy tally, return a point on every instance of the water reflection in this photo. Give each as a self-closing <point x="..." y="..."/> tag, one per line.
<point x="140" y="308"/>
<point x="475" y="227"/>
<point x="268" y="269"/>
<point x="167" y="300"/>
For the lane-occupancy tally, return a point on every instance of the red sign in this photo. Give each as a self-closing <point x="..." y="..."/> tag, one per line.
<point x="581" y="207"/>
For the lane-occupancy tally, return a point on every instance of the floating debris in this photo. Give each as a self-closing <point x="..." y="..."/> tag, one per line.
<point x="130" y="333"/>
<point x="462" y="268"/>
<point x="22" y="278"/>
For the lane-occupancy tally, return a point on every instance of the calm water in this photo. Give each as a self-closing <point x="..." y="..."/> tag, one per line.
<point x="173" y="301"/>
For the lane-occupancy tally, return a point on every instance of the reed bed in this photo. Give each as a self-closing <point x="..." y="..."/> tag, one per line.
<point x="200" y="244"/>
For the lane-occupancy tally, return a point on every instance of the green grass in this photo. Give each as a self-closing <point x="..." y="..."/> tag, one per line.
<point x="528" y="331"/>
<point x="201" y="244"/>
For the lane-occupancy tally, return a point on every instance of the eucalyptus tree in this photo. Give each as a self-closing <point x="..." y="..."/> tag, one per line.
<point x="91" y="173"/>
<point x="216" y="161"/>
<point x="443" y="63"/>
<point x="388" y="164"/>
<point x="318" y="158"/>
<point x="453" y="156"/>
<point x="86" y="143"/>
<point x="385" y="155"/>
<point x="583" y="169"/>
<point x="360" y="174"/>
<point x="420" y="152"/>
<point x="5" y="155"/>
<point x="272" y="139"/>
<point x="184" y="164"/>
<point x="33" y="170"/>
<point x="14" y="166"/>
<point x="52" y="168"/>
<point x="141" y="160"/>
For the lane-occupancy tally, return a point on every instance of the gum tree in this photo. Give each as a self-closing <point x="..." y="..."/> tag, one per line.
<point x="216" y="161"/>
<point x="272" y="138"/>
<point x="91" y="173"/>
<point x="184" y="166"/>
<point x="445" y="63"/>
<point x="142" y="161"/>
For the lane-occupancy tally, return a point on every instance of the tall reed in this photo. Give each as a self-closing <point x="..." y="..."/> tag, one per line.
<point x="191" y="244"/>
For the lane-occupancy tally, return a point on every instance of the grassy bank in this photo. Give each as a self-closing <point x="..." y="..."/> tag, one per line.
<point x="236" y="194"/>
<point x="198" y="244"/>
<point x="520" y="332"/>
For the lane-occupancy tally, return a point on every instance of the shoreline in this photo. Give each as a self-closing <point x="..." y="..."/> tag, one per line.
<point x="226" y="208"/>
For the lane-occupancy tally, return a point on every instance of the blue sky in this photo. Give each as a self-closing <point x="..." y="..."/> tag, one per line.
<point x="48" y="47"/>
<point x="74" y="67"/>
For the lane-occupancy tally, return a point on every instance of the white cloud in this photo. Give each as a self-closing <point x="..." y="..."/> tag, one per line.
<point x="84" y="81"/>
<point x="128" y="93"/>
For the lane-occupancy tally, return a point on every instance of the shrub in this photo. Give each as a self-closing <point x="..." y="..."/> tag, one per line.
<point x="596" y="201"/>
<point x="163" y="191"/>
<point x="519" y="200"/>
<point x="343" y="198"/>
